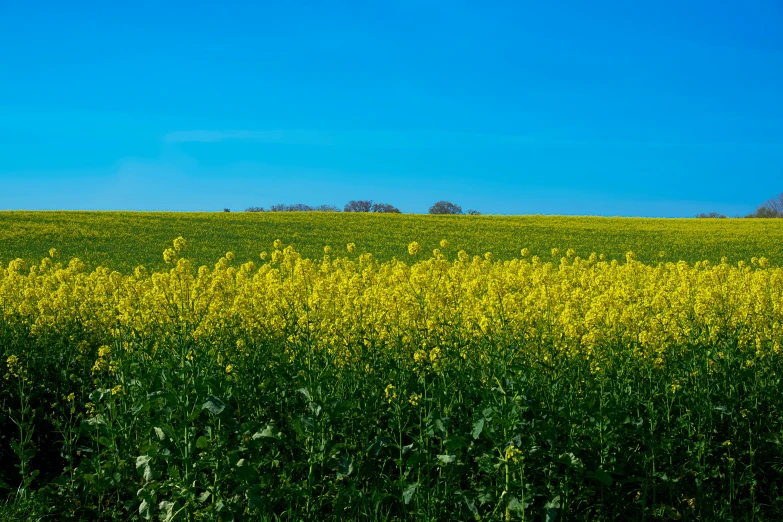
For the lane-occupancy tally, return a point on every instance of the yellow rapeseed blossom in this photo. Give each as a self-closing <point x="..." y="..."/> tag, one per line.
<point x="390" y="393"/>
<point x="432" y="311"/>
<point x="514" y="454"/>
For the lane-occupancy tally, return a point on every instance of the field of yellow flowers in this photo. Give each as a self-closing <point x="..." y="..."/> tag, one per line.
<point x="436" y="382"/>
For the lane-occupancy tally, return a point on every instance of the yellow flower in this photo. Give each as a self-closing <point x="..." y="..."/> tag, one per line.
<point x="169" y="255"/>
<point x="351" y="248"/>
<point x="444" y="243"/>
<point x="229" y="369"/>
<point x="180" y="244"/>
<point x="414" y="248"/>
<point x="327" y="250"/>
<point x="514" y="454"/>
<point x="390" y="393"/>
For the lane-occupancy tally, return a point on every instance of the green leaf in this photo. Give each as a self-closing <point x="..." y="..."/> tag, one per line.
<point x="202" y="442"/>
<point x="226" y="515"/>
<point x="145" y="510"/>
<point x="472" y="508"/>
<point x="344" y="467"/>
<point x="446" y="459"/>
<point x="514" y="504"/>
<point x="266" y="433"/>
<point x="246" y="473"/>
<point x="377" y="445"/>
<point x="601" y="476"/>
<point x="254" y="498"/>
<point x="214" y="405"/>
<point x="551" y="508"/>
<point x="159" y="433"/>
<point x="440" y="426"/>
<point x="204" y="496"/>
<point x="143" y="464"/>
<point x="478" y="428"/>
<point x="452" y="444"/>
<point x="167" y="510"/>
<point x="408" y="492"/>
<point x="571" y="460"/>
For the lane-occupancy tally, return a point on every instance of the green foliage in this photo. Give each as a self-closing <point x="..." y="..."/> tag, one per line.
<point x="303" y="439"/>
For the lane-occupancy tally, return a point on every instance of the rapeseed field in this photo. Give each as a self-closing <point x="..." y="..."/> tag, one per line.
<point x="484" y="373"/>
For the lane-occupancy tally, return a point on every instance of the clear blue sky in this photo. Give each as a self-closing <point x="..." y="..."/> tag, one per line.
<point x="664" y="108"/>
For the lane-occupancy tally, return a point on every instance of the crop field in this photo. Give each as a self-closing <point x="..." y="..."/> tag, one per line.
<point x="358" y="367"/>
<point x="123" y="240"/>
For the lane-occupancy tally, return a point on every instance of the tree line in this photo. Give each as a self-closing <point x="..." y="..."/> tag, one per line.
<point x="772" y="208"/>
<point x="360" y="205"/>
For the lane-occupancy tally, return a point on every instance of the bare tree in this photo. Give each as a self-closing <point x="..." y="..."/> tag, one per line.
<point x="326" y="208"/>
<point x="254" y="209"/>
<point x="712" y="215"/>
<point x="298" y="207"/>
<point x="445" y="207"/>
<point x="385" y="208"/>
<point x="473" y="212"/>
<point x="361" y="205"/>
<point x="775" y="204"/>
<point x="772" y="208"/>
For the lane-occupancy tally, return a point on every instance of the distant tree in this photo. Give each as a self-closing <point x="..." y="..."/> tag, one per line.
<point x="326" y="208"/>
<point x="713" y="215"/>
<point x="775" y="204"/>
<point x="385" y="208"/>
<point x="765" y="212"/>
<point x="473" y="212"/>
<point x="445" y="207"/>
<point x="298" y="207"/>
<point x="226" y="210"/>
<point x="772" y="208"/>
<point x="361" y="205"/>
<point x="254" y="209"/>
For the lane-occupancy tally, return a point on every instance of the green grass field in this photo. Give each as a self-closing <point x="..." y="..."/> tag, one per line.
<point x="123" y="240"/>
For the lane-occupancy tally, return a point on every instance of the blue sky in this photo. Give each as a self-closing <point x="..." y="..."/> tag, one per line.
<point x="664" y="108"/>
